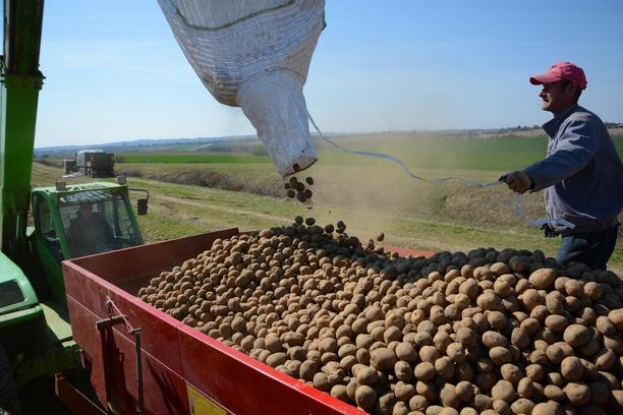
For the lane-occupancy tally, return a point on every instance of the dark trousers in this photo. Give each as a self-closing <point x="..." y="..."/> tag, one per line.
<point x="593" y="249"/>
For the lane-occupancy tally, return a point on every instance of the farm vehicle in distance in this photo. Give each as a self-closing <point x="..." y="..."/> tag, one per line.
<point x="92" y="163"/>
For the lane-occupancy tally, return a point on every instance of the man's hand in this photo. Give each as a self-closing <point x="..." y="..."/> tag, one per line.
<point x="518" y="181"/>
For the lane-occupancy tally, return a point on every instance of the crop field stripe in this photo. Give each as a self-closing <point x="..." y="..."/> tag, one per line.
<point x="192" y="158"/>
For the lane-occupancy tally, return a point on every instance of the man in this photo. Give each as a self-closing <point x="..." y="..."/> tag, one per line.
<point x="89" y="232"/>
<point x="582" y="174"/>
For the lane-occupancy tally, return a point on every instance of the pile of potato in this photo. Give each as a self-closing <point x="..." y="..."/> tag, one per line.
<point x="487" y="332"/>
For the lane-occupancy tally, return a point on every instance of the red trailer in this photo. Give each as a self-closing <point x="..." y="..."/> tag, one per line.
<point x="144" y="361"/>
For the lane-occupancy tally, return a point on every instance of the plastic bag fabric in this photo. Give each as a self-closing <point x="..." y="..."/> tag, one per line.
<point x="255" y="54"/>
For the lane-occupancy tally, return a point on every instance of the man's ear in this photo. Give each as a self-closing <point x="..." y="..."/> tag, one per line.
<point x="572" y="88"/>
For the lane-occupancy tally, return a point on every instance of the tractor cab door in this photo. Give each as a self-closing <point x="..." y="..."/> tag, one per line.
<point x="47" y="243"/>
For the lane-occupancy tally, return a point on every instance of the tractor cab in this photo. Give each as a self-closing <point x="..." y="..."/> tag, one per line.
<point x="79" y="220"/>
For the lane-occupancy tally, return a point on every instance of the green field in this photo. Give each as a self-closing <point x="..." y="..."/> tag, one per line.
<point x="190" y="158"/>
<point x="199" y="192"/>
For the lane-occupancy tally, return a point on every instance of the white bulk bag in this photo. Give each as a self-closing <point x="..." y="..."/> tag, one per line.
<point x="255" y="54"/>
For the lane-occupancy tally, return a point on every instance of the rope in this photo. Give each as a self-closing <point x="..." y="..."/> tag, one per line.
<point x="112" y="308"/>
<point x="468" y="182"/>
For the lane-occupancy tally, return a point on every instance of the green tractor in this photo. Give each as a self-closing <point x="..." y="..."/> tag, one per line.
<point x="35" y="335"/>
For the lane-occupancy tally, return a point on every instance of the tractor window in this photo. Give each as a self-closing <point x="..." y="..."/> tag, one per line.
<point x="98" y="224"/>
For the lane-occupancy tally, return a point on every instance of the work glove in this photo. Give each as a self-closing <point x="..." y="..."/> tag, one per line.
<point x="548" y="232"/>
<point x="518" y="181"/>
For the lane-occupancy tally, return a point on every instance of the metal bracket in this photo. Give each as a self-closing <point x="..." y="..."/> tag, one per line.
<point x="119" y="318"/>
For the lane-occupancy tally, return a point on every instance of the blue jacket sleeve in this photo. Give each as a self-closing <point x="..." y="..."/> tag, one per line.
<point x="568" y="152"/>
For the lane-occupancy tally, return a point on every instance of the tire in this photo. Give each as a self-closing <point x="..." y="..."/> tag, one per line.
<point x="9" y="398"/>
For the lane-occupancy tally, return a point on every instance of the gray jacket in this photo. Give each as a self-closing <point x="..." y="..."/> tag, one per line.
<point x="582" y="174"/>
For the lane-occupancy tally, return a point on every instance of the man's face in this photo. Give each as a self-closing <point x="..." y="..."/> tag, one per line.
<point x="557" y="96"/>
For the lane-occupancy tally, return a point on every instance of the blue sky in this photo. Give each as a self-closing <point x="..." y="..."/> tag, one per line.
<point x="114" y="72"/>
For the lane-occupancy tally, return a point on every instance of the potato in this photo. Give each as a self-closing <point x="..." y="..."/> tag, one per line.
<point x="535" y="372"/>
<point x="424" y="371"/>
<point x="578" y="393"/>
<point x="556" y="322"/>
<point x="448" y="396"/>
<point x="434" y="410"/>
<point x="618" y="397"/>
<point x="418" y="403"/>
<point x="525" y="388"/>
<point x="503" y="390"/>
<point x="605" y="326"/>
<point x="484" y="381"/>
<point x="366" y="375"/>
<point x="428" y="390"/>
<point x="593" y="290"/>
<point x="385" y="403"/>
<point x="467" y="337"/>
<point x="614" y="342"/>
<point x="605" y="359"/>
<point x="490" y="301"/>
<point x="511" y="373"/>
<point x="520" y="338"/>
<point x="542" y="279"/>
<point x="519" y="264"/>
<point x="383" y="359"/>
<point x="321" y="381"/>
<point x="308" y="369"/>
<point x="365" y="396"/>
<point x="429" y="353"/>
<point x="575" y="287"/>
<point x="554" y="393"/>
<point x="464" y="371"/>
<point x="531" y="325"/>
<point x="444" y="366"/>
<point x="571" y="368"/>
<point x="464" y="391"/>
<point x="482" y="402"/>
<point x="492" y="339"/>
<point x="616" y="317"/>
<point x="405" y="351"/>
<point x="548" y="408"/>
<point x="403" y="371"/>
<point x="500" y="355"/>
<point x="499" y="268"/>
<point x="456" y="352"/>
<point x="522" y="406"/>
<point x="576" y="335"/>
<point x="531" y="298"/>
<point x="497" y="320"/>
<point x="339" y="392"/>
<point x="400" y="408"/>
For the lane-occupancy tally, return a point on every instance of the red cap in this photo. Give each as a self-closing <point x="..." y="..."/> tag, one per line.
<point x="559" y="71"/>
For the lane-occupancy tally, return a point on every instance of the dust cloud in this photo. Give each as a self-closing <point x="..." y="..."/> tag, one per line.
<point x="371" y="194"/>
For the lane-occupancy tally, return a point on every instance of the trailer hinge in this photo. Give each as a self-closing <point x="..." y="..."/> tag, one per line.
<point x="114" y="318"/>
